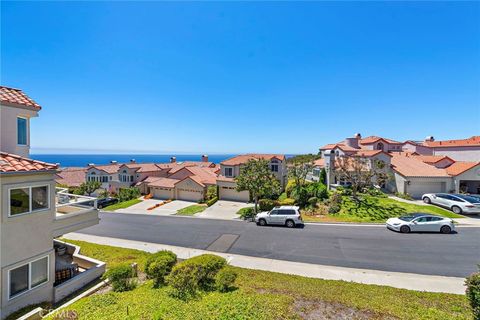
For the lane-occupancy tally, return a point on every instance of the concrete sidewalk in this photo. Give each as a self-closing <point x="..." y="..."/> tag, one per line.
<point x="393" y="279"/>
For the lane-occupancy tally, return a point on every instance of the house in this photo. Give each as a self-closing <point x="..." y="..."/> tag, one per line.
<point x="416" y="167"/>
<point x="34" y="266"/>
<point x="231" y="168"/>
<point x="71" y="177"/>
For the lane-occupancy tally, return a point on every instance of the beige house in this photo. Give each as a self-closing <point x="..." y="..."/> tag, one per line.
<point x="416" y="167"/>
<point x="230" y="168"/>
<point x="34" y="267"/>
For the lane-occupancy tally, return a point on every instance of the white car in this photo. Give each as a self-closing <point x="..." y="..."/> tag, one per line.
<point x="285" y="215"/>
<point x="458" y="203"/>
<point x="420" y="222"/>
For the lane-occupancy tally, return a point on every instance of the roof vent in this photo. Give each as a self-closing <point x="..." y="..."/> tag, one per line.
<point x="113" y="162"/>
<point x="91" y="164"/>
<point x="133" y="161"/>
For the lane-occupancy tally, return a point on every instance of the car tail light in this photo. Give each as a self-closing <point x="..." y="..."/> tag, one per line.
<point x="470" y="206"/>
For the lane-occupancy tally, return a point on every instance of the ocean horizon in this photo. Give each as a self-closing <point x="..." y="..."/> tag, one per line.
<point x="83" y="160"/>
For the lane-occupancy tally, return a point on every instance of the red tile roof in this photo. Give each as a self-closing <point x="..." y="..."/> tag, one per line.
<point x="319" y="163"/>
<point x="472" y="141"/>
<point x="143" y="167"/>
<point x="13" y="163"/>
<point x="373" y="139"/>
<point x="107" y="168"/>
<point x="370" y="153"/>
<point x="433" y="159"/>
<point x="412" y="167"/>
<point x="164" y="183"/>
<point x="72" y="177"/>
<point x="460" y="167"/>
<point x="241" y="159"/>
<point x="16" y="97"/>
<point x="204" y="175"/>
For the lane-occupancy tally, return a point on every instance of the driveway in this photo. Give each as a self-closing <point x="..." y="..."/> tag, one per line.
<point x="224" y="210"/>
<point x="164" y="210"/>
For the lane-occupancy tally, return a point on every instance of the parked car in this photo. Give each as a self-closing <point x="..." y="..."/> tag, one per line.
<point x="285" y="215"/>
<point x="458" y="203"/>
<point x="420" y="222"/>
<point x="105" y="202"/>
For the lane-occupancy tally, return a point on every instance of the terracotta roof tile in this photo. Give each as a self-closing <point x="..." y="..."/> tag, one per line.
<point x="72" y="177"/>
<point x="460" y="167"/>
<point x="164" y="182"/>
<point x="17" y="97"/>
<point x="319" y="163"/>
<point x="412" y="167"/>
<point x="472" y="141"/>
<point x="107" y="168"/>
<point x="241" y="159"/>
<point x="373" y="139"/>
<point x="433" y="159"/>
<point x="13" y="163"/>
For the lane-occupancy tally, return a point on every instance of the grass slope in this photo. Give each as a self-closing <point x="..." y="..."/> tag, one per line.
<point x="191" y="210"/>
<point x="265" y="295"/>
<point x="122" y="205"/>
<point x="375" y="209"/>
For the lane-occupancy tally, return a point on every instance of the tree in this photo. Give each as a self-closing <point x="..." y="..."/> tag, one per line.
<point x="360" y="172"/>
<point x="255" y="177"/>
<point x="89" y="187"/>
<point x="298" y="170"/>
<point x="323" y="176"/>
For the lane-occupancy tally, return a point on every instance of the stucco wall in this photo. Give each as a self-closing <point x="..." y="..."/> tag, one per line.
<point x="459" y="153"/>
<point x="8" y="129"/>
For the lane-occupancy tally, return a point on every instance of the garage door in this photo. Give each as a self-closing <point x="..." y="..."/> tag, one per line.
<point x="162" y="193"/>
<point x="230" y="193"/>
<point x="189" y="195"/>
<point x="417" y="189"/>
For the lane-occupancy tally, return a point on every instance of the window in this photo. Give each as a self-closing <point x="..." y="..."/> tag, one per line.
<point x="21" y="131"/>
<point x="274" y="212"/>
<point x="28" y="199"/>
<point x="274" y="166"/>
<point x="286" y="212"/>
<point x="229" y="172"/>
<point x="380" y="146"/>
<point x="27" y="277"/>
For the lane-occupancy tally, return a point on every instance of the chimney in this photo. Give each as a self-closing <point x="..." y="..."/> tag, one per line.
<point x="173" y="160"/>
<point x="113" y="162"/>
<point x="353" y="142"/>
<point x="358" y="136"/>
<point x="429" y="139"/>
<point x="91" y="164"/>
<point x="205" y="158"/>
<point x="133" y="161"/>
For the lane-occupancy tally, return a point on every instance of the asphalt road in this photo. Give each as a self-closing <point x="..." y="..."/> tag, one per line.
<point x="367" y="247"/>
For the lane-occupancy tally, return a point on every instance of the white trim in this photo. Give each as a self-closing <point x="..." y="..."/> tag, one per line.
<point x="30" y="288"/>
<point x="30" y="211"/>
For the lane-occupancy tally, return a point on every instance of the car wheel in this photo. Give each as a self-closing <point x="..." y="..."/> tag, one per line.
<point x="262" y="222"/>
<point x="445" y="229"/>
<point x="427" y="200"/>
<point x="457" y="210"/>
<point x="290" y="224"/>
<point x="404" y="229"/>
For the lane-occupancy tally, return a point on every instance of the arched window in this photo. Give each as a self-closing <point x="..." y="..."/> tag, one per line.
<point x="380" y="146"/>
<point x="337" y="153"/>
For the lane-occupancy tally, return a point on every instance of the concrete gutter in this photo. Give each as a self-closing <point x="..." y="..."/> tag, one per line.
<point x="410" y="281"/>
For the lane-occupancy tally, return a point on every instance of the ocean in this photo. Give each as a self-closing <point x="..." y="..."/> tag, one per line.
<point x="82" y="160"/>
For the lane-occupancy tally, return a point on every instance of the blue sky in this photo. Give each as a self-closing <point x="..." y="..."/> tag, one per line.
<point x="242" y="77"/>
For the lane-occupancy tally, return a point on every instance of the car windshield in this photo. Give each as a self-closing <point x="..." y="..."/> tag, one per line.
<point x="407" y="218"/>
<point x="469" y="198"/>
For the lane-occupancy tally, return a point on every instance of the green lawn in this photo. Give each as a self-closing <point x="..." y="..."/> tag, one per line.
<point x="375" y="209"/>
<point x="265" y="295"/>
<point x="191" y="210"/>
<point x="122" y="205"/>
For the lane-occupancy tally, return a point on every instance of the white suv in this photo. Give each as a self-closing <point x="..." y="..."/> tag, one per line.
<point x="285" y="215"/>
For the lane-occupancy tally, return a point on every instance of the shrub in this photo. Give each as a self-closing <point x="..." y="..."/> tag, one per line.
<point x="212" y="201"/>
<point x="225" y="279"/>
<point x="313" y="201"/>
<point x="290" y="187"/>
<point x="125" y="194"/>
<point x="321" y="191"/>
<point x="287" y="202"/>
<point x="301" y="196"/>
<point x="121" y="278"/>
<point x="376" y="193"/>
<point x="183" y="281"/>
<point x="212" y="192"/>
<point x="159" y="265"/>
<point x="282" y="197"/>
<point x="405" y="196"/>
<point x="246" y="213"/>
<point x="335" y="203"/>
<point x="267" y="204"/>
<point x="208" y="265"/>
<point x="473" y="293"/>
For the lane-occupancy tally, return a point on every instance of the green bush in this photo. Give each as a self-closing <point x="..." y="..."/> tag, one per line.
<point x="283" y="196"/>
<point x="290" y="187"/>
<point x="312" y="201"/>
<point x="267" y="204"/>
<point x="287" y="202"/>
<point x="183" y="280"/>
<point x="212" y="201"/>
<point x="121" y="278"/>
<point x="208" y="265"/>
<point x="225" y="279"/>
<point x="405" y="196"/>
<point x="473" y="293"/>
<point x="125" y="194"/>
<point x="159" y="265"/>
<point x="301" y="196"/>
<point x="335" y="203"/>
<point x="246" y="213"/>
<point x="376" y="193"/>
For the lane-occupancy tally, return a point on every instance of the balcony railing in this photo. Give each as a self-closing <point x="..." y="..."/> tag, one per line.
<point x="74" y="212"/>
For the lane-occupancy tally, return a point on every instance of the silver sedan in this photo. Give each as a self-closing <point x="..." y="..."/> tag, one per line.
<point x="420" y="222"/>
